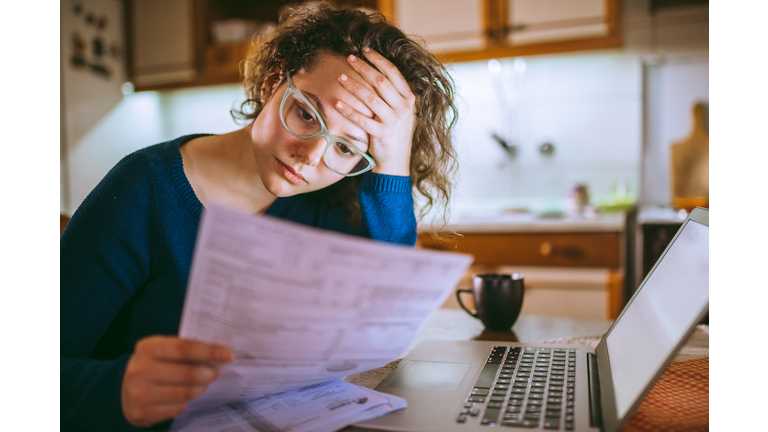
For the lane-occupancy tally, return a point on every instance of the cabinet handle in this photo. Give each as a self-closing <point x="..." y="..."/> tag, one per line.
<point x="546" y="249"/>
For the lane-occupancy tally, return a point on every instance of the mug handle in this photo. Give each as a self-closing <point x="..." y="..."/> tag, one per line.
<point x="458" y="297"/>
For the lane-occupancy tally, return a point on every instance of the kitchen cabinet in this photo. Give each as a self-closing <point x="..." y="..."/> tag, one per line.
<point x="187" y="43"/>
<point x="468" y="30"/>
<point x="162" y="48"/>
<point x="585" y="266"/>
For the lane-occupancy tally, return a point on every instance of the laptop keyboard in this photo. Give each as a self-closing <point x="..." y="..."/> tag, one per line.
<point x="524" y="387"/>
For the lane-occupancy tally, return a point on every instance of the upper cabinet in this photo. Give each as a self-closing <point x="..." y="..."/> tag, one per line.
<point x="465" y="30"/>
<point x="162" y="42"/>
<point x="185" y="43"/>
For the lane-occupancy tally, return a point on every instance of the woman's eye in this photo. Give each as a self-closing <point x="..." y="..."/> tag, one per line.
<point x="306" y="115"/>
<point x="344" y="149"/>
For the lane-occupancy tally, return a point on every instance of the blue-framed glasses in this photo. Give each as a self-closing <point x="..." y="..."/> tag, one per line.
<point x="303" y="121"/>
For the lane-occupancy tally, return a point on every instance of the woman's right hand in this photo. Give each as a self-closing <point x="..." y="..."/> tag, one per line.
<point x="164" y="374"/>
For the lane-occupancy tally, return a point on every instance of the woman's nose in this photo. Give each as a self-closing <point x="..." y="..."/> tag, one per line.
<point x="311" y="151"/>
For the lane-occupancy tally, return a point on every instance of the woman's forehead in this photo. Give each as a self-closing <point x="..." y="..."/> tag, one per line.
<point x="326" y="70"/>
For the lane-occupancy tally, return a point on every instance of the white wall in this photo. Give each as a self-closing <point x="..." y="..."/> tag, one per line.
<point x="672" y="88"/>
<point x="590" y="105"/>
<point x="587" y="105"/>
<point x="141" y="119"/>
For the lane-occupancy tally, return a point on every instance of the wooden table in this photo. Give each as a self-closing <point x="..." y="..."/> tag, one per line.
<point x="455" y="324"/>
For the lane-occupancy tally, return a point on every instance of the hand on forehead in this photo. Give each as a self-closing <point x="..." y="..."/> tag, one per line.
<point x="323" y="82"/>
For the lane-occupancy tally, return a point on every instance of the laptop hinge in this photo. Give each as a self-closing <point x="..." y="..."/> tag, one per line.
<point x="595" y="414"/>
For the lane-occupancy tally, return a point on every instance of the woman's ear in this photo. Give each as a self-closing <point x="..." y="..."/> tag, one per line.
<point x="271" y="84"/>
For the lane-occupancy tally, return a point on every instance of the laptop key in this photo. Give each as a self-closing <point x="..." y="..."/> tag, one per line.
<point x="533" y="409"/>
<point x="491" y="415"/>
<point x="494" y="404"/>
<point x="512" y="423"/>
<point x="497" y="399"/>
<point x="533" y="396"/>
<point x="553" y="414"/>
<point x="532" y="416"/>
<point x="480" y="392"/>
<point x="552" y="424"/>
<point x="476" y="399"/>
<point x="486" y="376"/>
<point x="514" y="410"/>
<point x="461" y="419"/>
<point x="568" y="426"/>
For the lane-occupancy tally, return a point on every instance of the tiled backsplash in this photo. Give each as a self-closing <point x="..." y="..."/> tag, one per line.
<point x="588" y="106"/>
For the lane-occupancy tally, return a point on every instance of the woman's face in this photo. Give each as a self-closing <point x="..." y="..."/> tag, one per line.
<point x="289" y="165"/>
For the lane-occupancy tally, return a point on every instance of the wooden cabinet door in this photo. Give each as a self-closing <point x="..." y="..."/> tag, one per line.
<point x="470" y="30"/>
<point x="162" y="40"/>
<point x="535" y="21"/>
<point x="586" y="250"/>
<point x="454" y="25"/>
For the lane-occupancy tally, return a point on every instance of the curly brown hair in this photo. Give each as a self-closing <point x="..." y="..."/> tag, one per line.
<point x="307" y="32"/>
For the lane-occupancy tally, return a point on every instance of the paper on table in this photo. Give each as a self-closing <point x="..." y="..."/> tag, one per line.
<point x="301" y="305"/>
<point x="323" y="407"/>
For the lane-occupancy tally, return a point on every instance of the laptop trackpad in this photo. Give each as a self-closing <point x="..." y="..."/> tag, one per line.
<point x="428" y="375"/>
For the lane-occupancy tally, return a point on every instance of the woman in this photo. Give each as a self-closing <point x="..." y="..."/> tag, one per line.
<point x="350" y="118"/>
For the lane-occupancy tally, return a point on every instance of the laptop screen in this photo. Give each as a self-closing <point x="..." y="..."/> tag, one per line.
<point x="662" y="312"/>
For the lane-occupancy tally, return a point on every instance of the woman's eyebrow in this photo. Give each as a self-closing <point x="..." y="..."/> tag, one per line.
<point x="322" y="113"/>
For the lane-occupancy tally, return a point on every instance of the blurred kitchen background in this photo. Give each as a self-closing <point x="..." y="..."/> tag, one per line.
<point x="582" y="136"/>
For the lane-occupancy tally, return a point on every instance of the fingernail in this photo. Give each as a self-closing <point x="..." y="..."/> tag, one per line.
<point x="366" y="49"/>
<point x="226" y="355"/>
<point x="352" y="58"/>
<point x="343" y="77"/>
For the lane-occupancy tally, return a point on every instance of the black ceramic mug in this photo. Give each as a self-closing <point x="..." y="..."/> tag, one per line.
<point x="498" y="299"/>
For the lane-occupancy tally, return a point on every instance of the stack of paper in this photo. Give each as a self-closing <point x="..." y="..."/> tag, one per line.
<point x="301" y="307"/>
<point x="324" y="407"/>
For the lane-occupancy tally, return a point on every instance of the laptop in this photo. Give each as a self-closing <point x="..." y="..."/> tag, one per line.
<point x="479" y="385"/>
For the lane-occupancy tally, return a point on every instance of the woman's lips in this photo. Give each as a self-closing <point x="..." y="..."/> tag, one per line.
<point x="290" y="174"/>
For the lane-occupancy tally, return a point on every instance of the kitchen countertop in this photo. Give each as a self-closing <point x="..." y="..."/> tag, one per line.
<point x="501" y="222"/>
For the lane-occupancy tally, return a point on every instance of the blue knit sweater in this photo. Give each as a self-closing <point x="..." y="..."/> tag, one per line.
<point x="125" y="260"/>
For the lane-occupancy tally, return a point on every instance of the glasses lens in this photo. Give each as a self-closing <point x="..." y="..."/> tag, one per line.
<point x="345" y="159"/>
<point x="299" y="117"/>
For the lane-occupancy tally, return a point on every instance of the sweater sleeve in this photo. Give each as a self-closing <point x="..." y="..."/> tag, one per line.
<point x="104" y="260"/>
<point x="386" y="203"/>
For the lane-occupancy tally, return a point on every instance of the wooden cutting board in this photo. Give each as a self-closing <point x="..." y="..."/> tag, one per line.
<point x="689" y="163"/>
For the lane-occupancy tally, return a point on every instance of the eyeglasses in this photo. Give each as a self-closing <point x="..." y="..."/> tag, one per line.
<point x="303" y="121"/>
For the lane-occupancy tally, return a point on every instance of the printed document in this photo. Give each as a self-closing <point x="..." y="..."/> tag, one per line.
<point x="302" y="306"/>
<point x="320" y="407"/>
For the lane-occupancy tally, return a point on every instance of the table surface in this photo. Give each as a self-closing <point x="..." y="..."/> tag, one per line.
<point x="455" y="324"/>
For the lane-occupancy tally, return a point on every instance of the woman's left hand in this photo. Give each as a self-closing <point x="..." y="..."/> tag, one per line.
<point x="392" y="103"/>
